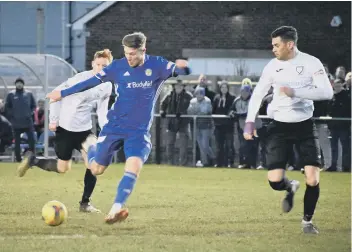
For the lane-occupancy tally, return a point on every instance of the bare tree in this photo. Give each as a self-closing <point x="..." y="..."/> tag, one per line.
<point x="241" y="68"/>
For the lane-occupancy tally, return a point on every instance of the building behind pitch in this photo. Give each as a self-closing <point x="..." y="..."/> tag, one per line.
<point x="222" y="30"/>
<point x="32" y="27"/>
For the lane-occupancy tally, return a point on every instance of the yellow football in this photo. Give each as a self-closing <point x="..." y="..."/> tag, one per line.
<point x="54" y="213"/>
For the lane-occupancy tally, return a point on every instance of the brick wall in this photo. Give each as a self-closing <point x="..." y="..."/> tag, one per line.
<point x="172" y="26"/>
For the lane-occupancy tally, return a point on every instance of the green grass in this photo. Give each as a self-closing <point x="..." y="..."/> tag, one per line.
<point x="172" y="209"/>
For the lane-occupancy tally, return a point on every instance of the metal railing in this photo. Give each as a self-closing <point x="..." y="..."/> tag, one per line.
<point x="194" y="118"/>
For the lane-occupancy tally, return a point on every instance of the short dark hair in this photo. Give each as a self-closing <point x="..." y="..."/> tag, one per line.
<point x="287" y="33"/>
<point x="134" y="40"/>
<point x="19" y="80"/>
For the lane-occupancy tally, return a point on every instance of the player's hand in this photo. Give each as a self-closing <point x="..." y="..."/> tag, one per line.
<point x="52" y="126"/>
<point x="287" y="91"/>
<point x="54" y="96"/>
<point x="180" y="63"/>
<point x="249" y="131"/>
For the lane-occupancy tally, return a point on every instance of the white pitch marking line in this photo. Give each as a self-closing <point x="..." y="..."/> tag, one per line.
<point x="44" y="237"/>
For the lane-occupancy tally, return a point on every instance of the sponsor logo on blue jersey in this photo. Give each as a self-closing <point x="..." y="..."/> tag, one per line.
<point x="142" y="84"/>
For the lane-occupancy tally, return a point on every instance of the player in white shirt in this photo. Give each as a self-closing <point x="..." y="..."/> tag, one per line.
<point x="297" y="79"/>
<point x="71" y="119"/>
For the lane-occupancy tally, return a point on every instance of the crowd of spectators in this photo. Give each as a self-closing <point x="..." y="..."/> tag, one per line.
<point x="202" y="101"/>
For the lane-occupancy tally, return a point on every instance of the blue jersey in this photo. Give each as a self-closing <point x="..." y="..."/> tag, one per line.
<point x="138" y="89"/>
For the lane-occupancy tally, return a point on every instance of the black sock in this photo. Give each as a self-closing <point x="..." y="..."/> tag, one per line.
<point x="47" y="164"/>
<point x="282" y="185"/>
<point x="311" y="197"/>
<point x="89" y="183"/>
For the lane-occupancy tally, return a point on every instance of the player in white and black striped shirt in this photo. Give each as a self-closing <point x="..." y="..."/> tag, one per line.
<point x="298" y="79"/>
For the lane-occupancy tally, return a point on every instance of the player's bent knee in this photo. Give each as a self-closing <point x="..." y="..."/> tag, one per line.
<point x="276" y="175"/>
<point x="63" y="166"/>
<point x="97" y="169"/>
<point x="134" y="165"/>
<point x="312" y="181"/>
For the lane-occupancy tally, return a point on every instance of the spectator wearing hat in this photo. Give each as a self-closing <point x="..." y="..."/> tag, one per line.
<point x="19" y="108"/>
<point x="247" y="82"/>
<point x="224" y="128"/>
<point x="248" y="149"/>
<point x="201" y="105"/>
<point x="176" y="103"/>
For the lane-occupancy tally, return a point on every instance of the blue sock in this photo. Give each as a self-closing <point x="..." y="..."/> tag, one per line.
<point x="125" y="187"/>
<point x="91" y="153"/>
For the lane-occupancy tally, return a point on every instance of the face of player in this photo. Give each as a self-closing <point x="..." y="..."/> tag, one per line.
<point x="99" y="63"/>
<point x="135" y="57"/>
<point x="223" y="89"/>
<point x="282" y="49"/>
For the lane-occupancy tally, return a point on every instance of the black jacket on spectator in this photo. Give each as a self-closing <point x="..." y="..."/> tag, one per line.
<point x="266" y="101"/>
<point x="340" y="106"/>
<point x="219" y="108"/>
<point x="19" y="109"/>
<point x="174" y="104"/>
<point x="209" y="94"/>
<point x="320" y="108"/>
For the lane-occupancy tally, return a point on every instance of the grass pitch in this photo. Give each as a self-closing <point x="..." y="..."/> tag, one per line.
<point x="172" y="209"/>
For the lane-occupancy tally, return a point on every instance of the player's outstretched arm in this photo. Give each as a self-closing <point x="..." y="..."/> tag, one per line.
<point x="57" y="95"/>
<point x="103" y="76"/>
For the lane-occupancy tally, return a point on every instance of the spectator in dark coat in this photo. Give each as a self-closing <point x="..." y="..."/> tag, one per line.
<point x="340" y="106"/>
<point x="224" y="127"/>
<point x="19" y="108"/>
<point x="176" y="103"/>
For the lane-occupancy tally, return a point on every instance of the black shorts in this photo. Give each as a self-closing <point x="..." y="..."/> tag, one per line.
<point x="67" y="141"/>
<point x="280" y="140"/>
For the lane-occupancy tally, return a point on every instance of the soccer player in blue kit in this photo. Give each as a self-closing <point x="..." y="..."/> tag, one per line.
<point x="139" y="79"/>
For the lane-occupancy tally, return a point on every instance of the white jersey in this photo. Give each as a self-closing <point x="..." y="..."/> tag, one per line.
<point x="74" y="112"/>
<point x="305" y="74"/>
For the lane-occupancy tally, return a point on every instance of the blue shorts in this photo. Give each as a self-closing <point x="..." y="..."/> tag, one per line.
<point x="136" y="144"/>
